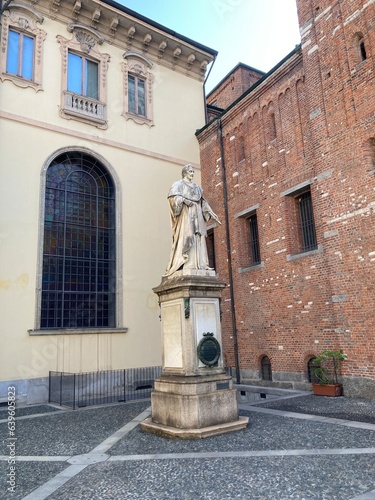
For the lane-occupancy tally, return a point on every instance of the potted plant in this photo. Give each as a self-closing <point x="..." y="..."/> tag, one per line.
<point x="327" y="371"/>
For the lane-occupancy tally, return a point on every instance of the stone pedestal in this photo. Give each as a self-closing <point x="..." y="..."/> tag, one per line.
<point x="194" y="397"/>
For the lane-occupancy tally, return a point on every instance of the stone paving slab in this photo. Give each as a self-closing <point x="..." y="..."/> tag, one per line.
<point x="30" y="475"/>
<point x="264" y="432"/>
<point x="29" y="410"/>
<point x="101" y="453"/>
<point x="276" y="478"/>
<point x="70" y="433"/>
<point x="359" y="410"/>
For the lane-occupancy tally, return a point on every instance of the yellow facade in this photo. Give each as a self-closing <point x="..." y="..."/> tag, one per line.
<point x="143" y="158"/>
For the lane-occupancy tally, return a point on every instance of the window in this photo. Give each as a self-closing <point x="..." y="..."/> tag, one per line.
<point x="84" y="71"/>
<point x="82" y="76"/>
<point x="79" y="257"/>
<point x="254" y="239"/>
<point x="360" y="48"/>
<point x="301" y="223"/>
<point x="311" y="366"/>
<point x="210" y="240"/>
<point x="137" y="97"/>
<point x="265" y="368"/>
<point x="306" y="221"/>
<point x="249" y="236"/>
<point x="369" y="155"/>
<point x="20" y="57"/>
<point x="22" y="63"/>
<point x="138" y="81"/>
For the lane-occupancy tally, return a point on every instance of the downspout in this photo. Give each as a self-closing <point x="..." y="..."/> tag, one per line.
<point x="229" y="254"/>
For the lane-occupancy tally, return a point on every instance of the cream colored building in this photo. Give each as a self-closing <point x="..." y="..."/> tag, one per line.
<point x="98" y="109"/>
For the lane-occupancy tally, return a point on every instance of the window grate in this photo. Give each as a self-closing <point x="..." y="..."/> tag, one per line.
<point x="78" y="288"/>
<point x="311" y="366"/>
<point x="254" y="239"/>
<point x="265" y="368"/>
<point x="210" y="240"/>
<point x="307" y="223"/>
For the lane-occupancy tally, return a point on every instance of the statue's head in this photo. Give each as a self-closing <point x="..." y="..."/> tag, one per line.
<point x="186" y="169"/>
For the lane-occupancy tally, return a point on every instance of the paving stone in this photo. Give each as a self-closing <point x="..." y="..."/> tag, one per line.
<point x="81" y="454"/>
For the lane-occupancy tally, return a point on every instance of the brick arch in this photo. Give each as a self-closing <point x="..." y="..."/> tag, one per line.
<point x="360" y="47"/>
<point x="265" y="367"/>
<point x="369" y="154"/>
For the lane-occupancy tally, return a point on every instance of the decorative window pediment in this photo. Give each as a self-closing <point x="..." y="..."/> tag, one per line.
<point x="138" y="80"/>
<point x="22" y="47"/>
<point x="84" y="76"/>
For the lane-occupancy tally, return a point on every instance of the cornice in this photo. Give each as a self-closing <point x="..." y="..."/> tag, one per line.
<point x="130" y="33"/>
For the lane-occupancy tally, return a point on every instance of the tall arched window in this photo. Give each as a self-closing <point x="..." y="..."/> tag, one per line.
<point x="79" y="261"/>
<point x="311" y="366"/>
<point x="265" y="368"/>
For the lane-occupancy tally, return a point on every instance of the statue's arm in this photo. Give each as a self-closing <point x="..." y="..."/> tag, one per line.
<point x="208" y="213"/>
<point x="176" y="203"/>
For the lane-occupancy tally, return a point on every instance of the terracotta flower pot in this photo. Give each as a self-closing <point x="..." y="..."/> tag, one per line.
<point x="331" y="390"/>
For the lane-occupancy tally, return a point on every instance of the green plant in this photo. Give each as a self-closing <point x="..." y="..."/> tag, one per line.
<point x="327" y="366"/>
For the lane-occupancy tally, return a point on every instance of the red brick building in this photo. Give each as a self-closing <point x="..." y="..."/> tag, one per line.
<point x="289" y="167"/>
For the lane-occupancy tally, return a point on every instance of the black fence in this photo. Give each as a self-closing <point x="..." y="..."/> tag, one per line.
<point x="77" y="390"/>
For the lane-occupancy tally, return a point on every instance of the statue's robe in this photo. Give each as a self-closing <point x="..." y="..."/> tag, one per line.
<point x="189" y="250"/>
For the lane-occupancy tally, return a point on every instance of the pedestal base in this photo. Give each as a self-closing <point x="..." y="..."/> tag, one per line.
<point x="193" y="398"/>
<point x="213" y="430"/>
<point x="194" y="407"/>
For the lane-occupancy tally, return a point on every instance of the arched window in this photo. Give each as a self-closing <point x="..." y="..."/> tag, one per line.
<point x="241" y="149"/>
<point x="369" y="154"/>
<point x="360" y="47"/>
<point x="79" y="261"/>
<point x="272" y="126"/>
<point x="265" y="368"/>
<point x="311" y="366"/>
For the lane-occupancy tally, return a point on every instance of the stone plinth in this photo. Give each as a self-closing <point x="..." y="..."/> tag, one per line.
<point x="194" y="397"/>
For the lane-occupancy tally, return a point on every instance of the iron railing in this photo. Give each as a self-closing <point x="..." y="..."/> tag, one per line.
<point x="77" y="390"/>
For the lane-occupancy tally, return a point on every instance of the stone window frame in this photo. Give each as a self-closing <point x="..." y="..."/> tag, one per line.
<point x="138" y="66"/>
<point x="265" y="368"/>
<point x="23" y="19"/>
<point x="296" y="244"/>
<point x="360" y="47"/>
<point x="245" y="216"/>
<point x="84" y="42"/>
<point x="119" y="261"/>
<point x="369" y="155"/>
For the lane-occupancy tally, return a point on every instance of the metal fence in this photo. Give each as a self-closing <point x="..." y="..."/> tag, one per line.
<point x="77" y="390"/>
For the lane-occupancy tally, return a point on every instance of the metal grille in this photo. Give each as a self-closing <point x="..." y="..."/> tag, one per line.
<point x="311" y="366"/>
<point x="78" y="288"/>
<point x="211" y="248"/>
<point x="254" y="239"/>
<point x="307" y="222"/>
<point x="77" y="390"/>
<point x="265" y="368"/>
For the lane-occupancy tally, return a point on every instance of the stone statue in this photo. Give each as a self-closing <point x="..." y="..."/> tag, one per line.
<point x="189" y="213"/>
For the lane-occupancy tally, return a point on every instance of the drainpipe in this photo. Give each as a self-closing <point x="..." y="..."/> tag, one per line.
<point x="229" y="254"/>
<point x="204" y="91"/>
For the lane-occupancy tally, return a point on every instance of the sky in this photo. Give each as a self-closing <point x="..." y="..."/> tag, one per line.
<point x="259" y="33"/>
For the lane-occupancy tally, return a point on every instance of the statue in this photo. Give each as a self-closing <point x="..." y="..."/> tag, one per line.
<point x="189" y="213"/>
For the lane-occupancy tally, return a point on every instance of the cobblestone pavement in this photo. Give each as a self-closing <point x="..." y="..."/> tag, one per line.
<point x="304" y="447"/>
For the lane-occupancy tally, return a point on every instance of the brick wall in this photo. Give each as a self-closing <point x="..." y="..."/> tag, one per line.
<point x="308" y="126"/>
<point x="241" y="78"/>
